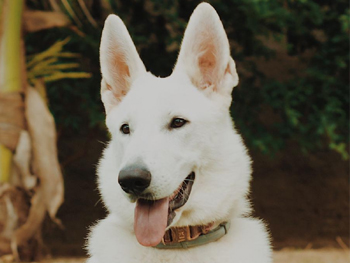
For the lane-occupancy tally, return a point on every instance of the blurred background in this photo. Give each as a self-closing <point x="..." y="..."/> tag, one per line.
<point x="291" y="107"/>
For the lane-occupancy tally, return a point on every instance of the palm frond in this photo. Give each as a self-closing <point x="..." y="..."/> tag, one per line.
<point x="48" y="66"/>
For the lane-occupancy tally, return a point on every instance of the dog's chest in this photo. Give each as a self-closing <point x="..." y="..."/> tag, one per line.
<point x="114" y="244"/>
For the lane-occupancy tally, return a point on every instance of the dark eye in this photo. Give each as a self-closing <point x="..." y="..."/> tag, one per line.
<point x="177" y="123"/>
<point x="125" y="129"/>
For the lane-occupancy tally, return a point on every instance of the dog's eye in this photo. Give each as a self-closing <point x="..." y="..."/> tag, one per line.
<point x="125" y="129"/>
<point x="177" y="123"/>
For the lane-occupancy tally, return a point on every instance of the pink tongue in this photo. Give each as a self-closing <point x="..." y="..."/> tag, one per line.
<point x="150" y="221"/>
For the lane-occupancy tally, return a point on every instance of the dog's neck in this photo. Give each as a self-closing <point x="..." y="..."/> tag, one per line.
<point x="191" y="236"/>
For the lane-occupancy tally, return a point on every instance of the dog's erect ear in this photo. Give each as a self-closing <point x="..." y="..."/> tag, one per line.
<point x="205" y="53"/>
<point x="120" y="62"/>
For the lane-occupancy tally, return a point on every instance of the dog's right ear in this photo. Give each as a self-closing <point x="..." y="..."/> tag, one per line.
<point x="120" y="62"/>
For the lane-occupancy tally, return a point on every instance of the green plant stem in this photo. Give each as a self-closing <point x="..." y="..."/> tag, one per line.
<point x="10" y="65"/>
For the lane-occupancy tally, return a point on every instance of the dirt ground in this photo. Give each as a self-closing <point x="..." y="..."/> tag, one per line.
<point x="304" y="199"/>
<point x="312" y="256"/>
<point x="284" y="256"/>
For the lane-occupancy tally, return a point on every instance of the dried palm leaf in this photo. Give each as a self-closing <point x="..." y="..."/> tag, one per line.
<point x="39" y="20"/>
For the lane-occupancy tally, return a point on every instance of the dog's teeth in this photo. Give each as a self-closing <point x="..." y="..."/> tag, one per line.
<point x="176" y="192"/>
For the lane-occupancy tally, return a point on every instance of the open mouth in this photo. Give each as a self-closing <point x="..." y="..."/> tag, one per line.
<point x="153" y="216"/>
<point x="180" y="197"/>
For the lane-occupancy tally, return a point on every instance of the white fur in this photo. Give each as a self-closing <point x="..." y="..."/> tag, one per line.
<point x="199" y="91"/>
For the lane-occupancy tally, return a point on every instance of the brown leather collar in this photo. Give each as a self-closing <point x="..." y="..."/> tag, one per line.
<point x="185" y="233"/>
<point x="190" y="236"/>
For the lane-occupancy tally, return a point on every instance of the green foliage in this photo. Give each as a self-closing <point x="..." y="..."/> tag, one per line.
<point x="315" y="103"/>
<point x="309" y="106"/>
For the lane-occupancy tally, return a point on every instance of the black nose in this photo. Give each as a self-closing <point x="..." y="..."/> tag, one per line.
<point x="134" y="180"/>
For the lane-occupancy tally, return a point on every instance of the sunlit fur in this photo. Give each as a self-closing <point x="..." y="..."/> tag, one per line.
<point x="199" y="91"/>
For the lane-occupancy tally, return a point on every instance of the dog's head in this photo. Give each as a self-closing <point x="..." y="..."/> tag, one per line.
<point x="174" y="152"/>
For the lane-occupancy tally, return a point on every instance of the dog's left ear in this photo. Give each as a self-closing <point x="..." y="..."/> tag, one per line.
<point x="205" y="53"/>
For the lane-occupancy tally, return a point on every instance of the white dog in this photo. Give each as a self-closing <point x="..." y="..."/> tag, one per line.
<point x="175" y="175"/>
